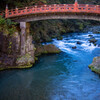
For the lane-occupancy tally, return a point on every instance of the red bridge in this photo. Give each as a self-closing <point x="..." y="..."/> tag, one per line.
<point x="47" y="10"/>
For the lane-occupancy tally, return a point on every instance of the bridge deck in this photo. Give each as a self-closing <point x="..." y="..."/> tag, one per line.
<point x="54" y="8"/>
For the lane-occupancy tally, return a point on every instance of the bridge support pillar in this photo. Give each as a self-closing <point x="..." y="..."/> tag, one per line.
<point x="23" y="37"/>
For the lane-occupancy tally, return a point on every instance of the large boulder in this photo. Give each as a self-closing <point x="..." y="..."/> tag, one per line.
<point x="46" y="49"/>
<point x="95" y="66"/>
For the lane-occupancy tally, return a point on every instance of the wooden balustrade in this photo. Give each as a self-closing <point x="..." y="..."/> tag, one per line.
<point x="74" y="8"/>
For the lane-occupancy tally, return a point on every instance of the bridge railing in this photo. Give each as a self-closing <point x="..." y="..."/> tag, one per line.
<point x="53" y="9"/>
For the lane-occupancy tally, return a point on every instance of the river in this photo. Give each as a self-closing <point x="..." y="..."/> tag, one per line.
<point x="63" y="76"/>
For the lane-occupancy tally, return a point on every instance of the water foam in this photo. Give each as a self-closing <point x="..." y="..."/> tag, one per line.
<point x="68" y="42"/>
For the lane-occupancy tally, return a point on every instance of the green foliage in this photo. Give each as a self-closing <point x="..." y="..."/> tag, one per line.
<point x="7" y="26"/>
<point x="9" y="47"/>
<point x="2" y="21"/>
<point x="22" y="3"/>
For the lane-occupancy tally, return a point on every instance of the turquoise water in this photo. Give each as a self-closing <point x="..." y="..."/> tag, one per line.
<point x="63" y="76"/>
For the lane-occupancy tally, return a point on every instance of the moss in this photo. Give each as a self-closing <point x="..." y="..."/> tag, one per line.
<point x="94" y="69"/>
<point x="27" y="59"/>
<point x="34" y="48"/>
<point x="63" y="31"/>
<point x="15" y="67"/>
<point x="37" y="54"/>
<point x="25" y="56"/>
<point x="45" y="52"/>
<point x="94" y="59"/>
<point x="36" y="58"/>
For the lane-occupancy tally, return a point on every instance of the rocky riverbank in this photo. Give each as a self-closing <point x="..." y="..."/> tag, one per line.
<point x="10" y="56"/>
<point x="12" y="45"/>
<point x="27" y="60"/>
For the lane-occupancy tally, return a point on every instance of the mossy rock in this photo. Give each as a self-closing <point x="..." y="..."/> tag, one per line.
<point x="15" y="67"/>
<point x="46" y="49"/>
<point x="93" y="40"/>
<point x="90" y="35"/>
<point x="95" y="66"/>
<point x="26" y="60"/>
<point x="97" y="32"/>
<point x="94" y="69"/>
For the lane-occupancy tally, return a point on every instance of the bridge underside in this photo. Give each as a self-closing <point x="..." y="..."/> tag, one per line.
<point x="35" y="17"/>
<point x="45" y="16"/>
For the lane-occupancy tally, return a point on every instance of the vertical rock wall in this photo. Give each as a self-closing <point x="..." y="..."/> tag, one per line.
<point x="11" y="49"/>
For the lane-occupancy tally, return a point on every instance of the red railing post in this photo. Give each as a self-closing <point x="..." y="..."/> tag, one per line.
<point x="87" y="7"/>
<point x="16" y="11"/>
<point x="54" y="7"/>
<point x="6" y="11"/>
<point x="26" y="10"/>
<point x="97" y="10"/>
<point x="76" y="6"/>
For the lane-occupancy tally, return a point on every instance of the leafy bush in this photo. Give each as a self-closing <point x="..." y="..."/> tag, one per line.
<point x="7" y="26"/>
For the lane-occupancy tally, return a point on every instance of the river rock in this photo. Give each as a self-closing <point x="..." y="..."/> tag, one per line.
<point x="90" y="35"/>
<point x="97" y="32"/>
<point x="78" y="42"/>
<point x="93" y="40"/>
<point x="95" y="66"/>
<point x="74" y="47"/>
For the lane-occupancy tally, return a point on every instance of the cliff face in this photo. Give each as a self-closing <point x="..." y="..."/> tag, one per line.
<point x="28" y="58"/>
<point x="12" y="45"/>
<point x="9" y="49"/>
<point x="10" y="56"/>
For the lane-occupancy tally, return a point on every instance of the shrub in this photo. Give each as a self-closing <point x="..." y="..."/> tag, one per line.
<point x="7" y="26"/>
